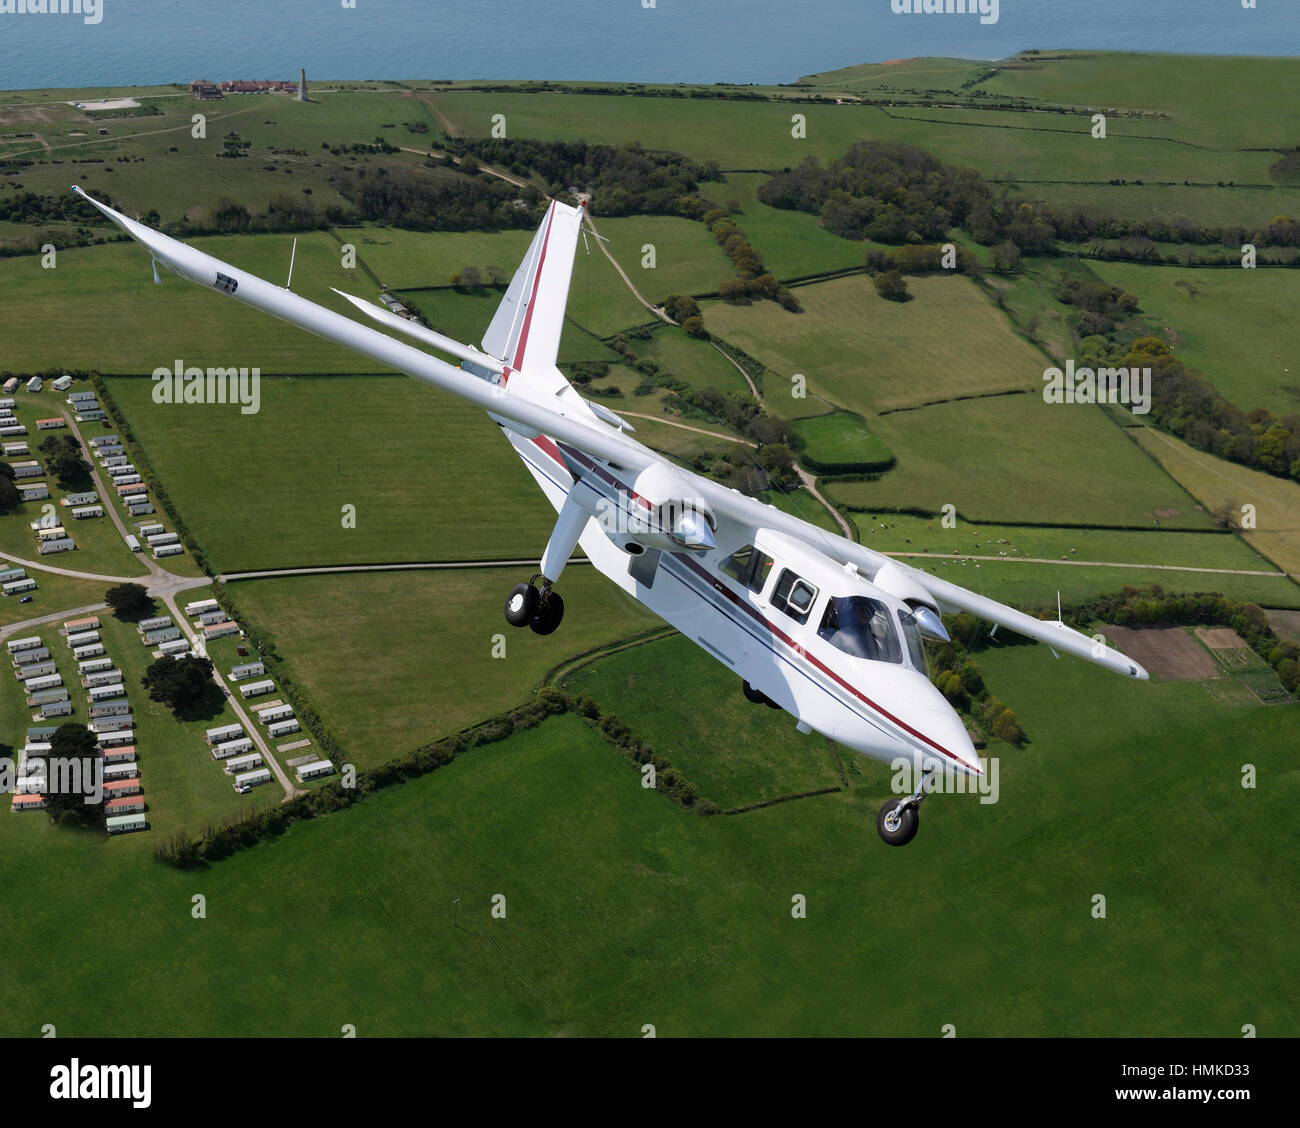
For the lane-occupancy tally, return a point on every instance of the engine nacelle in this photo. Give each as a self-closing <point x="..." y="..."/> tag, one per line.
<point x="662" y="514"/>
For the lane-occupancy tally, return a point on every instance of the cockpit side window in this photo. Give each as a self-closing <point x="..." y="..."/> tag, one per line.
<point x="863" y="628"/>
<point x="912" y="636"/>
<point x="794" y="595"/>
<point x="749" y="567"/>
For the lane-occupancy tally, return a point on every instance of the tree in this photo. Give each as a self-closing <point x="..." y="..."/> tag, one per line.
<point x="129" y="601"/>
<point x="9" y="496"/>
<point x="891" y="286"/>
<point x="72" y="768"/>
<point x="178" y="682"/>
<point x="1006" y="728"/>
<point x="695" y="327"/>
<point x="63" y="458"/>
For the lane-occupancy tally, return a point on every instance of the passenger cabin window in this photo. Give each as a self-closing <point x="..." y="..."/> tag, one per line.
<point x="912" y="636"/>
<point x="749" y="567"/>
<point x="861" y="627"/>
<point x="794" y="596"/>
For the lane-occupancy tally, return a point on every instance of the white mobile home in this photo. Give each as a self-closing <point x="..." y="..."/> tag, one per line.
<point x="51" y="424"/>
<point x="74" y="396"/>
<point x="256" y="689"/>
<point x="105" y="440"/>
<point x="8" y="430"/>
<point x="176" y="646"/>
<point x="111" y="458"/>
<point x="56" y="709"/>
<point x="88" y="623"/>
<point x="247" y="670"/>
<point x="228" y="748"/>
<point x="33" y="491"/>
<point x="315" y="770"/>
<point x="11" y="450"/>
<point x="118" y="708"/>
<point x="51" y="532"/>
<point x="28" y="643"/>
<point x="210" y="617"/>
<point x="47" y="681"/>
<point x="149" y="528"/>
<point x="237" y="764"/>
<point x="153" y="540"/>
<point x="29" y="469"/>
<point x="63" y="544"/>
<point x="128" y="770"/>
<point x="115" y="739"/>
<point x="27" y="657"/>
<point x="132" y="543"/>
<point x="123" y="805"/>
<point x="94" y="665"/>
<point x="7" y="574"/>
<point x="11" y="386"/>
<point x="34" y="384"/>
<point x="94" y="650"/>
<point x="121" y="824"/>
<point x="48" y="695"/>
<point x="139" y="507"/>
<point x="17" y="587"/>
<point x="81" y="638"/>
<point x="62" y="384"/>
<point x="84" y="511"/>
<point x="199" y="606"/>
<point x="283" y="728"/>
<point x="124" y="480"/>
<point x="153" y="638"/>
<point x="98" y="678"/>
<point x="167" y="550"/>
<point x="225" y="732"/>
<point x="154" y="623"/>
<point x="92" y="414"/>
<point x="220" y="630"/>
<point x="123" y="755"/>
<point x="113" y="724"/>
<point x="274" y="713"/>
<point x="35" y="669"/>
<point x="87" y="498"/>
<point x="106" y="692"/>
<point x="253" y="778"/>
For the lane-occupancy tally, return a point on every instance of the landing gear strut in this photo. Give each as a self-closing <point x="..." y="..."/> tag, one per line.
<point x="527" y="606"/>
<point x="900" y="819"/>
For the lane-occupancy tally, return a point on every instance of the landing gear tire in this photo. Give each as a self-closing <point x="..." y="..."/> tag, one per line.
<point x="897" y="824"/>
<point x="522" y="605"/>
<point x="550" y="611"/>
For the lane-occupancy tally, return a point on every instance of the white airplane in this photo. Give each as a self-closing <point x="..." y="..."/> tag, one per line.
<point x="828" y="630"/>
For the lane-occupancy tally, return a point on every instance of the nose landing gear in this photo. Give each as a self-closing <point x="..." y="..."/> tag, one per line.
<point x="900" y="819"/>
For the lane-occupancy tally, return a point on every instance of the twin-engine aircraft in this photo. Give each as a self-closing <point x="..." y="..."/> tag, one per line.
<point x="828" y="630"/>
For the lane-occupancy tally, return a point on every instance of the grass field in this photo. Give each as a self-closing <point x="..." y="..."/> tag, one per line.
<point x="624" y="909"/>
<point x="840" y="439"/>
<point x="1046" y="463"/>
<point x="55" y="593"/>
<point x="1223" y="324"/>
<point x="697" y="362"/>
<point x="379" y="443"/>
<point x="416" y="663"/>
<point x="1215" y="482"/>
<point x="866" y="354"/>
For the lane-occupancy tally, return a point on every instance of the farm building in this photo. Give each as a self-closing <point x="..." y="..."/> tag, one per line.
<point x="62" y="384"/>
<point x="93" y="650"/>
<point x="167" y="550"/>
<point x="55" y="709"/>
<point x="51" y="424"/>
<point x="121" y="824"/>
<point x="123" y="755"/>
<point x="35" y="654"/>
<point x="62" y="544"/>
<point x="87" y="498"/>
<point x="27" y="803"/>
<point x="176" y="646"/>
<point x="155" y="623"/>
<point x="81" y="638"/>
<point x="274" y="713"/>
<point x="123" y="805"/>
<point x="121" y="787"/>
<point x="220" y="630"/>
<point x="237" y="764"/>
<point x="315" y="770"/>
<point x="153" y="638"/>
<point x="256" y="689"/>
<point x="199" y="606"/>
<point x="17" y="587"/>
<point x="28" y="643"/>
<point x="84" y="511"/>
<point x="87" y="623"/>
<point x="283" y="728"/>
<point x="224" y="732"/>
<point x="247" y="670"/>
<point x="228" y="748"/>
<point x="253" y="778"/>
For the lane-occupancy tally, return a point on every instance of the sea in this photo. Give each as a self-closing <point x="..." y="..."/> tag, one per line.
<point x="145" y="42"/>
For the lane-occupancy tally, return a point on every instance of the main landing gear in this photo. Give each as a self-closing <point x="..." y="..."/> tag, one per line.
<point x="900" y="819"/>
<point x="758" y="697"/>
<point x="526" y="606"/>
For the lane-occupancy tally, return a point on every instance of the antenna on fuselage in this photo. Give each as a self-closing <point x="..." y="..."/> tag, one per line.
<point x="292" y="255"/>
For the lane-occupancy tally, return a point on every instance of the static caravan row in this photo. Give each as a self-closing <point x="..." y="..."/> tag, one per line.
<point x="154" y="623"/>
<point x="283" y="728"/>
<point x="247" y="670"/>
<point x="17" y="587"/>
<point x="225" y="732"/>
<point x="94" y="650"/>
<point x="84" y="511"/>
<point x="274" y="713"/>
<point x="63" y="544"/>
<point x="28" y="643"/>
<point x="237" y="764"/>
<point x="256" y="689"/>
<point x="168" y="550"/>
<point x="228" y="748"/>
<point x="153" y="638"/>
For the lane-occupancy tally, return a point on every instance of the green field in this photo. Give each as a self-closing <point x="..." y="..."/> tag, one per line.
<point x="415" y="662"/>
<point x="840" y="440"/>
<point x="1016" y="458"/>
<point x="380" y="443"/>
<point x="866" y="354"/>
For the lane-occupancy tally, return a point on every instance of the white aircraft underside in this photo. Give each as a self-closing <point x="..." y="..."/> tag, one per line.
<point x="817" y="625"/>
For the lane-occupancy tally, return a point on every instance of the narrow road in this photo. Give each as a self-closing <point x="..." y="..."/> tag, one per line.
<point x="687" y="427"/>
<point x="197" y="646"/>
<point x="52" y="617"/>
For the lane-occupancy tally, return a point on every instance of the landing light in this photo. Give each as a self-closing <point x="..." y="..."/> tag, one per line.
<point x="930" y="623"/>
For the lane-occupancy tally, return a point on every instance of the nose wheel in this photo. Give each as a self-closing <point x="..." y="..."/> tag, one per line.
<point x="900" y="819"/>
<point x="527" y="606"/>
